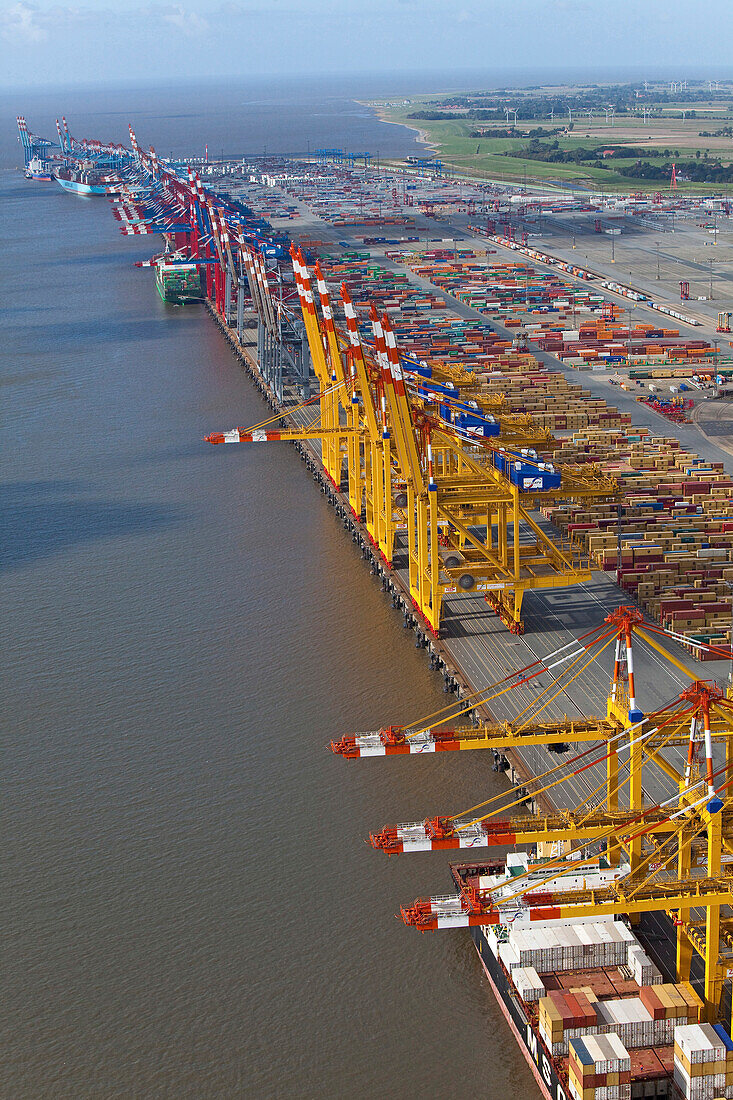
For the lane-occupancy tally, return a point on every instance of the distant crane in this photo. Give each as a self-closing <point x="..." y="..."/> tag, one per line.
<point x="62" y="139"/>
<point x="33" y="146"/>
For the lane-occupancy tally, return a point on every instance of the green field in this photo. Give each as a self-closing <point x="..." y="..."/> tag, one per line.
<point x="485" y="157"/>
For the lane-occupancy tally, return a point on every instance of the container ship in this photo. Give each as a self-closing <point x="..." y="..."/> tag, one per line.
<point x="591" y="1012"/>
<point x="86" y="180"/>
<point x="177" y="281"/>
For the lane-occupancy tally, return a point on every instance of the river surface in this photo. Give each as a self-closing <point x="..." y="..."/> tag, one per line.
<point x="189" y="909"/>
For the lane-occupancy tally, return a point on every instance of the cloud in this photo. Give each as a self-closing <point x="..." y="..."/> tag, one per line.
<point x="23" y="21"/>
<point x="30" y="22"/>
<point x="189" y="22"/>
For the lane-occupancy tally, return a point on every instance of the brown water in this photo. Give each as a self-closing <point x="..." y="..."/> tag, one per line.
<point x="189" y="909"/>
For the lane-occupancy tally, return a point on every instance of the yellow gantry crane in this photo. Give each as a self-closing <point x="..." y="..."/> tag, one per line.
<point x="435" y="462"/>
<point x="422" y="467"/>
<point x="670" y="856"/>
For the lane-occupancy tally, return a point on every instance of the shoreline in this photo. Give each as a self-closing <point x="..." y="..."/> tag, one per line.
<point x="423" y="138"/>
<point x="422" y="135"/>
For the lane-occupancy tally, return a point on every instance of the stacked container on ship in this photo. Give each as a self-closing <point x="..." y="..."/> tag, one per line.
<point x="590" y="1009"/>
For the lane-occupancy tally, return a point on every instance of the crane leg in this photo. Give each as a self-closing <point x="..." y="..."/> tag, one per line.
<point x="684" y="944"/>
<point x="412" y="537"/>
<point x="435" y="600"/>
<point x="713" y="985"/>
<point x="613" y="850"/>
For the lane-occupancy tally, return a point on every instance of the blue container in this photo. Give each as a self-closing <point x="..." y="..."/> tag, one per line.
<point x="532" y="479"/>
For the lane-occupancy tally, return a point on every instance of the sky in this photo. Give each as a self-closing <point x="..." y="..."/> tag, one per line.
<point x="44" y="43"/>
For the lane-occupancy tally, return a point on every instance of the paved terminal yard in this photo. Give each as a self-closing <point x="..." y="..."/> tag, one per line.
<point x="676" y="248"/>
<point x="715" y="421"/>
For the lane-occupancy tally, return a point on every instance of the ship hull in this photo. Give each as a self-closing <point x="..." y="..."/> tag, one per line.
<point x="39" y="177"/>
<point x="528" y="1039"/>
<point x="83" y="188"/>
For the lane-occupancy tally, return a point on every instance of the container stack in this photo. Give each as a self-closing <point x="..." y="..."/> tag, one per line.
<point x="552" y="1026"/>
<point x="564" y="1016"/>
<point x="573" y="946"/>
<point x="599" y="1068"/>
<point x="643" y="970"/>
<point x="703" y="1062"/>
<point x="528" y="983"/>
<point x="676" y="556"/>
<point x="632" y="1021"/>
<point x="578" y="326"/>
<point x="509" y="957"/>
<point x="677" y="1002"/>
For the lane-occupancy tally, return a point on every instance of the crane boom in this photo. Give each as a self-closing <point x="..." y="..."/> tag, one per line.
<point x="466" y="910"/>
<point x="442" y="833"/>
<point x="279" y="435"/>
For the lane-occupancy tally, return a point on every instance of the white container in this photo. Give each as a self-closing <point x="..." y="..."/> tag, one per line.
<point x="493" y="941"/>
<point x="528" y="984"/>
<point x="508" y="956"/>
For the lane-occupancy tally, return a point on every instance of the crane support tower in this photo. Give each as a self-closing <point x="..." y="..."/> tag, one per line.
<point x="670" y="855"/>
